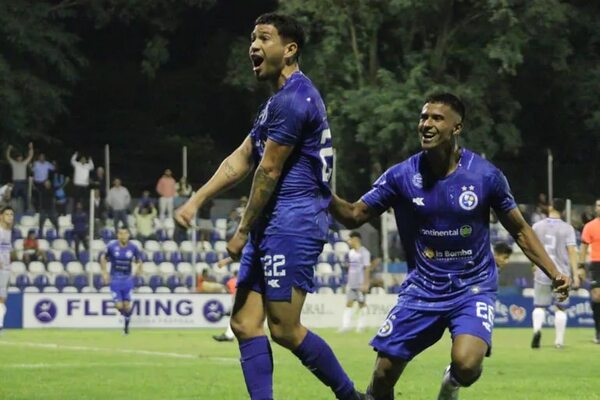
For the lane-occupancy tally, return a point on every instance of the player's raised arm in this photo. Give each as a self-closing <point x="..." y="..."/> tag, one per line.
<point x="528" y="241"/>
<point x="265" y="181"/>
<point x="231" y="171"/>
<point x="352" y="215"/>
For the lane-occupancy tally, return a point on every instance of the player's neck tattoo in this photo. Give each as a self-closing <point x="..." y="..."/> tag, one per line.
<point x="263" y="187"/>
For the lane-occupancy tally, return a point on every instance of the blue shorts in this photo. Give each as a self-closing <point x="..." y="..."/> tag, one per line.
<point x="407" y="332"/>
<point x="121" y="289"/>
<point x="274" y="264"/>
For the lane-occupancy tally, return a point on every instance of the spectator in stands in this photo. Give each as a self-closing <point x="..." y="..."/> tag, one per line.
<point x="205" y="224"/>
<point x="31" y="249"/>
<point x="80" y="221"/>
<point x="206" y="283"/>
<point x="59" y="183"/>
<point x="6" y="195"/>
<point x="184" y="191"/>
<point x="47" y="208"/>
<point x="41" y="172"/>
<point x="144" y="221"/>
<point x="146" y="199"/>
<point x="233" y="220"/>
<point x="98" y="181"/>
<point x="99" y="209"/>
<point x="166" y="188"/>
<point x="118" y="200"/>
<point x="18" y="166"/>
<point x="502" y="252"/>
<point x="81" y="178"/>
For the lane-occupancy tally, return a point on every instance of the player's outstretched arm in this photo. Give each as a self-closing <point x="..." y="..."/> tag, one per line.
<point x="265" y="181"/>
<point x="352" y="215"/>
<point x="528" y="241"/>
<point x="231" y="171"/>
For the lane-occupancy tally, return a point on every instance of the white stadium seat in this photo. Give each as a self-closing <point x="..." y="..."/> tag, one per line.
<point x="18" y="267"/>
<point x="166" y="268"/>
<point x="185" y="268"/>
<point x="144" y="289"/>
<point x="181" y="289"/>
<point x="50" y="289"/>
<point x="55" y="267"/>
<point x="104" y="289"/>
<point x="18" y="244"/>
<point x="33" y="289"/>
<point x="162" y="289"/>
<point x="151" y="246"/>
<point x="324" y="269"/>
<point x="69" y="289"/>
<point x="37" y="268"/>
<point x="93" y="267"/>
<point x="60" y="245"/>
<point x="43" y="245"/>
<point x="221" y="223"/>
<point x="74" y="268"/>
<point x="220" y="246"/>
<point x="341" y="248"/>
<point x="13" y="289"/>
<point x="98" y="245"/>
<point x="170" y="246"/>
<point x="235" y="266"/>
<point x="149" y="268"/>
<point x="186" y="246"/>
<point x="201" y="266"/>
<point x="137" y="243"/>
<point x="345" y="234"/>
<point x="88" y="289"/>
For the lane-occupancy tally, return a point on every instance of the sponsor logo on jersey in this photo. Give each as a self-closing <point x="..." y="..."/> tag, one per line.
<point x="45" y="311"/>
<point x="430" y="253"/>
<point x="417" y="180"/>
<point x="274" y="283"/>
<point x="468" y="199"/>
<point x="213" y="311"/>
<point x="418" y="201"/>
<point x="464" y="231"/>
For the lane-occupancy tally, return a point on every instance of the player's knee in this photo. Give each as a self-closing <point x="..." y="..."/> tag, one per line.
<point x="244" y="329"/>
<point x="466" y="371"/>
<point x="286" y="336"/>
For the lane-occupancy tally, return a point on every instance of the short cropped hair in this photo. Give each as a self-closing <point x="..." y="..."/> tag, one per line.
<point x="450" y="100"/>
<point x="559" y="204"/>
<point x="356" y="234"/>
<point x="6" y="208"/>
<point x="288" y="27"/>
<point x="503" y="248"/>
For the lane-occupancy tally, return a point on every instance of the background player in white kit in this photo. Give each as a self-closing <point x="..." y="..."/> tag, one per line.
<point x="559" y="241"/>
<point x="359" y="268"/>
<point x="7" y="216"/>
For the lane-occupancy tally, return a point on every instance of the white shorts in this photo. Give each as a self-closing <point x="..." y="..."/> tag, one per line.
<point x="4" y="281"/>
<point x="355" y="295"/>
<point x="543" y="296"/>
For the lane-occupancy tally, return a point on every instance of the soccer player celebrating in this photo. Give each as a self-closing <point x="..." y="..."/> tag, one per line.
<point x="442" y="198"/>
<point x="559" y="241"/>
<point x="7" y="217"/>
<point x="121" y="254"/>
<point x="590" y="237"/>
<point x="284" y="224"/>
<point x="359" y="268"/>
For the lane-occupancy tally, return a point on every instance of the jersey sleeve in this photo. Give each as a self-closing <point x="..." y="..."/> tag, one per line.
<point x="366" y="258"/>
<point x="286" y="118"/>
<point x="586" y="234"/>
<point x="138" y="253"/>
<point x="501" y="198"/>
<point x="383" y="192"/>
<point x="571" y="237"/>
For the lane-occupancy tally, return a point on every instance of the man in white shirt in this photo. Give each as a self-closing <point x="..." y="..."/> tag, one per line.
<point x="359" y="267"/>
<point x="81" y="178"/>
<point x="118" y="199"/>
<point x="7" y="216"/>
<point x="19" y="174"/>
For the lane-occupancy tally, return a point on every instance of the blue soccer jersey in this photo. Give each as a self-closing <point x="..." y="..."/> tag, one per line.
<point x="121" y="258"/>
<point x="444" y="227"/>
<point x="296" y="116"/>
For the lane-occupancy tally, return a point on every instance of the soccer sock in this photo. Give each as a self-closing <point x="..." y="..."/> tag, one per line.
<point x="229" y="332"/>
<point x="596" y="313"/>
<point x="257" y="366"/>
<point x="362" y="319"/>
<point x="560" y="323"/>
<point x="318" y="357"/>
<point x="2" y="314"/>
<point x="347" y="318"/>
<point x="538" y="316"/>
<point x="389" y="396"/>
<point x="448" y="380"/>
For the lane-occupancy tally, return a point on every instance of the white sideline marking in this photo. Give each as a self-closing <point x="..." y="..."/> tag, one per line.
<point x="55" y="346"/>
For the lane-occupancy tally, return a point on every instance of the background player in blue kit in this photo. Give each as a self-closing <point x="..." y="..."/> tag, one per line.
<point x="284" y="225"/>
<point x="121" y="254"/>
<point x="442" y="198"/>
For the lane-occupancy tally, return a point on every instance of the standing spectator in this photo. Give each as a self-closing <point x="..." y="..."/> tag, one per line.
<point x="41" y="172"/>
<point x="80" y="227"/>
<point x="118" y="200"/>
<point x="184" y="191"/>
<point x="166" y="188"/>
<point x="98" y="181"/>
<point x="19" y="174"/>
<point x="99" y="209"/>
<point x="47" y="209"/>
<point x="144" y="221"/>
<point x="146" y="199"/>
<point x="81" y="178"/>
<point x="59" y="182"/>
<point x="6" y="195"/>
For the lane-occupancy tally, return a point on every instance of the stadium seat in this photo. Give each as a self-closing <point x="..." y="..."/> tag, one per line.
<point x="50" y="256"/>
<point x="181" y="289"/>
<point x="74" y="268"/>
<point x="234" y="266"/>
<point x="88" y="289"/>
<point x="189" y="281"/>
<point x="201" y="266"/>
<point x="137" y="244"/>
<point x="67" y="256"/>
<point x="162" y="289"/>
<point x="324" y="269"/>
<point x="149" y="268"/>
<point x="93" y="267"/>
<point x="60" y="281"/>
<point x="155" y="281"/>
<point x="18" y="244"/>
<point x="41" y="281"/>
<point x="22" y="281"/>
<point x="341" y="249"/>
<point x="16" y="234"/>
<point x="144" y="289"/>
<point x="220" y="246"/>
<point x="344" y="234"/>
<point x="377" y="290"/>
<point x="18" y="267"/>
<point x="173" y="281"/>
<point x="327" y="248"/>
<point x="80" y="281"/>
<point x="51" y="235"/>
<point x="204" y="246"/>
<point x="331" y="258"/>
<point x="151" y="246"/>
<point x="158" y="257"/>
<point x="60" y="245"/>
<point x="98" y="246"/>
<point x="138" y="281"/>
<point x="162" y="235"/>
<point x="55" y="268"/>
<point x="185" y="268"/>
<point x="176" y="258"/>
<point x="211" y="257"/>
<point x="84" y="256"/>
<point x="104" y="289"/>
<point x="166" y="268"/>
<point x="334" y="282"/>
<point x="69" y="289"/>
<point x="36" y="268"/>
<point x="43" y="245"/>
<point x="50" y="289"/>
<point x="107" y="234"/>
<point x="31" y="289"/>
<point x="528" y="292"/>
<point x="582" y="292"/>
<point x="97" y="281"/>
<point x="325" y="290"/>
<point x="169" y="247"/>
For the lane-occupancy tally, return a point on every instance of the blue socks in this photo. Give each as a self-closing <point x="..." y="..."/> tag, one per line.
<point x="257" y="365"/>
<point x="317" y="356"/>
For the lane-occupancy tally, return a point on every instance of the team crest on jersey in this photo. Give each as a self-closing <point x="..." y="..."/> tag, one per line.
<point x="386" y="328"/>
<point x="129" y="254"/>
<point x="468" y="199"/>
<point x="417" y="180"/>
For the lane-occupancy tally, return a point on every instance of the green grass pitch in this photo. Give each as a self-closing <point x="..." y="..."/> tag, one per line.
<point x="188" y="364"/>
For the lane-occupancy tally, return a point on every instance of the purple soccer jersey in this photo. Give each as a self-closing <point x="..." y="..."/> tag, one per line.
<point x="444" y="227"/>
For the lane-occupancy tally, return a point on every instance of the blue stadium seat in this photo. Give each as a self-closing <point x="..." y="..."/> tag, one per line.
<point x="69" y="235"/>
<point x="50" y="256"/>
<point x="22" y="281"/>
<point x="61" y="281"/>
<point x="138" y="281"/>
<point x="176" y="258"/>
<point x="334" y="282"/>
<point x="41" y="281"/>
<point x="107" y="234"/>
<point x="211" y="257"/>
<point x="98" y="282"/>
<point x="215" y="235"/>
<point x="16" y="234"/>
<point x="162" y="235"/>
<point x="189" y="281"/>
<point x="155" y="281"/>
<point x="84" y="256"/>
<point x="66" y="257"/>
<point x="158" y="257"/>
<point x="80" y="281"/>
<point x="51" y="234"/>
<point x="173" y="281"/>
<point x="331" y="258"/>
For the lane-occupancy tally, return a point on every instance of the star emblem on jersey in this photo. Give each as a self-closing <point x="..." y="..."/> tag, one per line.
<point x="417" y="180"/>
<point x="468" y="199"/>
